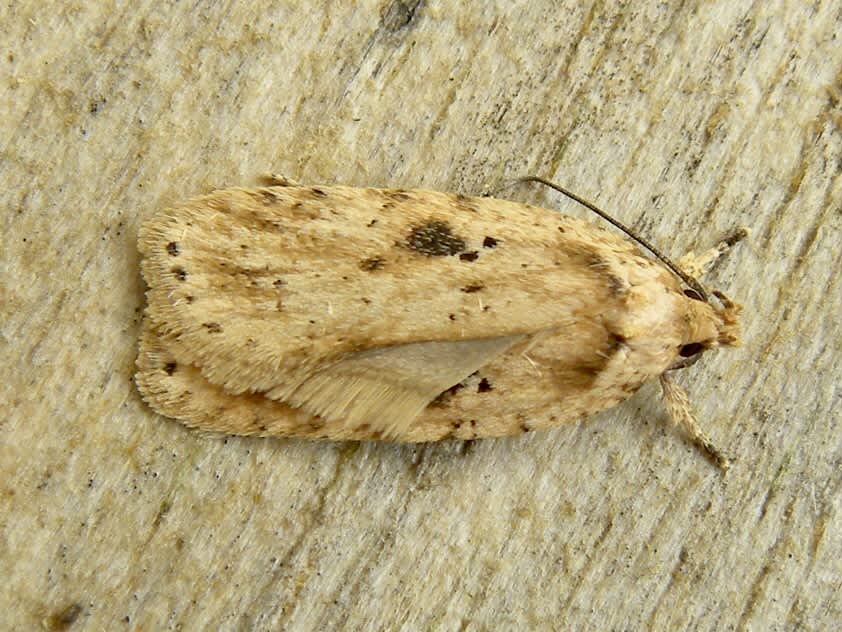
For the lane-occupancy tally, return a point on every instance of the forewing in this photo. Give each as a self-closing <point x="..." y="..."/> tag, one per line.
<point x="311" y="293"/>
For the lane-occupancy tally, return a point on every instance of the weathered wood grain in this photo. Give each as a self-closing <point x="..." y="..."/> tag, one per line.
<point x="683" y="119"/>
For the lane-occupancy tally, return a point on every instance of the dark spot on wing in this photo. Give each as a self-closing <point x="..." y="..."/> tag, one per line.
<point x="372" y="263"/>
<point x="469" y="256"/>
<point x="470" y="289"/>
<point x="617" y="340"/>
<point x="180" y="273"/>
<point x="213" y="328"/>
<point x="316" y="192"/>
<point x="440" y="400"/>
<point x="169" y="368"/>
<point x="489" y="242"/>
<point x="173" y="249"/>
<point x="464" y="203"/>
<point x="434" y="239"/>
<point x="589" y="368"/>
<point x="484" y="386"/>
<point x="268" y="196"/>
<point x="619" y="286"/>
<point x="398" y="195"/>
<point x="596" y="262"/>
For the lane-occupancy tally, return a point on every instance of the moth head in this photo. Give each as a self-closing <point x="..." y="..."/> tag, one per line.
<point x="709" y="324"/>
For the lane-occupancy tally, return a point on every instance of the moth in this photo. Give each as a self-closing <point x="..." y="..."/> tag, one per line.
<point x="408" y="315"/>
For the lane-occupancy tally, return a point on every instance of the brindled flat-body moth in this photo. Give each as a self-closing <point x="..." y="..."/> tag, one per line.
<point x="409" y="315"/>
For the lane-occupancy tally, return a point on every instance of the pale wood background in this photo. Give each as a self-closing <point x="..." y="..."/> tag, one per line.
<point x="683" y="119"/>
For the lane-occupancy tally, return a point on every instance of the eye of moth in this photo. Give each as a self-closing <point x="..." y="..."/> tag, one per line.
<point x="691" y="349"/>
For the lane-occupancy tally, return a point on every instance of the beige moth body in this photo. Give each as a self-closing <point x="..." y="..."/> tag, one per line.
<point x="409" y="315"/>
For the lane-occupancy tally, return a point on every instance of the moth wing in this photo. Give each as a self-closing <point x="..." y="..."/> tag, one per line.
<point x="262" y="289"/>
<point x="385" y="389"/>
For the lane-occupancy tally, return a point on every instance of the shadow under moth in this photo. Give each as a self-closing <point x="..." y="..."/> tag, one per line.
<point x="408" y="315"/>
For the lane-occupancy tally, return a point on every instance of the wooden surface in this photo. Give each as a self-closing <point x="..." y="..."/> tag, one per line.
<point x="685" y="120"/>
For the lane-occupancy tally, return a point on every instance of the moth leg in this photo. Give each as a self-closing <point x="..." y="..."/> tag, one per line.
<point x="697" y="265"/>
<point x="270" y="179"/>
<point x="679" y="407"/>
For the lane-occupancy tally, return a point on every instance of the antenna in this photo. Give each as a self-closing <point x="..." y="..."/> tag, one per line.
<point x="690" y="281"/>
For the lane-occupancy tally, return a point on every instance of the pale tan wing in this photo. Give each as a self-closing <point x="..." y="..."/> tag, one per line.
<point x="262" y="289"/>
<point x="383" y="390"/>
